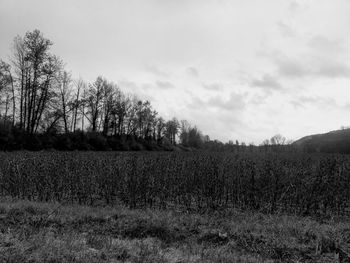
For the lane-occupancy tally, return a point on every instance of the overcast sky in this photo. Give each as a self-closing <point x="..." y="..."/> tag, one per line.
<point x="243" y="70"/>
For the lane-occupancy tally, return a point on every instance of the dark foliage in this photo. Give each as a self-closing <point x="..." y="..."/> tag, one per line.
<point x="15" y="140"/>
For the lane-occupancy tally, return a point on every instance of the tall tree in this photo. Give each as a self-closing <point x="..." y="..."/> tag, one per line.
<point x="120" y="111"/>
<point x="66" y="99"/>
<point x="94" y="102"/>
<point x="21" y="68"/>
<point x="278" y="139"/>
<point x="7" y="83"/>
<point x="6" y="91"/>
<point x="172" y="130"/>
<point x="184" y="132"/>
<point x="108" y="102"/>
<point x="160" y="127"/>
<point x="80" y="86"/>
<point x="36" y="70"/>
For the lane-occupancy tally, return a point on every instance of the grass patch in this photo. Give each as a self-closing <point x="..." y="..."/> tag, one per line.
<point x="41" y="232"/>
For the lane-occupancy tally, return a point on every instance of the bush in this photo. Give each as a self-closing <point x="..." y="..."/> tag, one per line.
<point x="98" y="141"/>
<point x="32" y="143"/>
<point x="17" y="139"/>
<point x="63" y="143"/>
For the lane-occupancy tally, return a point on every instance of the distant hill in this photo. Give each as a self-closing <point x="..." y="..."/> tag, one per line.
<point x="332" y="142"/>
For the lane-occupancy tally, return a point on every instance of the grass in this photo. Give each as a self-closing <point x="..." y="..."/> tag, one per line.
<point x="46" y="232"/>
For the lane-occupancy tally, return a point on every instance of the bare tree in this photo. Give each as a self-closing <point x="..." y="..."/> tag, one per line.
<point x="265" y="142"/>
<point x="66" y="99"/>
<point x="120" y="111"/>
<point x="171" y="130"/>
<point x="132" y="118"/>
<point x="94" y="97"/>
<point x="190" y="136"/>
<point x="184" y="132"/>
<point x="7" y="82"/>
<point x="278" y="139"/>
<point x="7" y="90"/>
<point x="80" y="86"/>
<point x="47" y="95"/>
<point x="108" y="102"/>
<point x="36" y="70"/>
<point x="160" y="127"/>
<point x="21" y="69"/>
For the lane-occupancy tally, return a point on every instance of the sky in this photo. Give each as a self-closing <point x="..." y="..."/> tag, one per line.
<point x="238" y="70"/>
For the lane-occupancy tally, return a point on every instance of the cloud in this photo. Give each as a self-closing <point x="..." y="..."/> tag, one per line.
<point x="289" y="67"/>
<point x="311" y="66"/>
<point x="195" y="46"/>
<point x="286" y="30"/>
<point x="319" y="102"/>
<point x="258" y="99"/>
<point x="235" y="102"/>
<point x="221" y="116"/>
<point x="128" y="86"/>
<point x="333" y="69"/>
<point x="133" y="88"/>
<point x="324" y="44"/>
<point x="213" y="86"/>
<point x="293" y="6"/>
<point x="165" y="85"/>
<point x="267" y="82"/>
<point x="193" y="72"/>
<point x="156" y="71"/>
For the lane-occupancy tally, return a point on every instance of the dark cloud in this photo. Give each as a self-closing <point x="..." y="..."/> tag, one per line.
<point x="323" y="59"/>
<point x="165" y="85"/>
<point x="333" y="69"/>
<point x="193" y="72"/>
<point x="156" y="71"/>
<point x="294" y="7"/>
<point x="213" y="86"/>
<point x="324" y="44"/>
<point x="318" y="101"/>
<point x="290" y="67"/>
<point x="312" y="66"/>
<point x="267" y="82"/>
<point x="286" y="30"/>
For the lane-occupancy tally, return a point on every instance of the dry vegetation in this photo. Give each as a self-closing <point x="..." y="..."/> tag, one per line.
<point x="302" y="184"/>
<point x="46" y="232"/>
<point x="195" y="207"/>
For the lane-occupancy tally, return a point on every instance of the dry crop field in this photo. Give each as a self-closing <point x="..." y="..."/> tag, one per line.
<point x="173" y="207"/>
<point x="299" y="184"/>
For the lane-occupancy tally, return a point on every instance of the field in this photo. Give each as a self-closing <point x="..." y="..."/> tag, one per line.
<point x="174" y="207"/>
<point x="46" y="232"/>
<point x="291" y="183"/>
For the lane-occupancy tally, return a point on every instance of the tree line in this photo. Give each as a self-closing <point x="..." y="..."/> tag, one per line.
<point x="43" y="106"/>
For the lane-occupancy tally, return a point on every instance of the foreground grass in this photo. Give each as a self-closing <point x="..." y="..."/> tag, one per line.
<point x="43" y="232"/>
